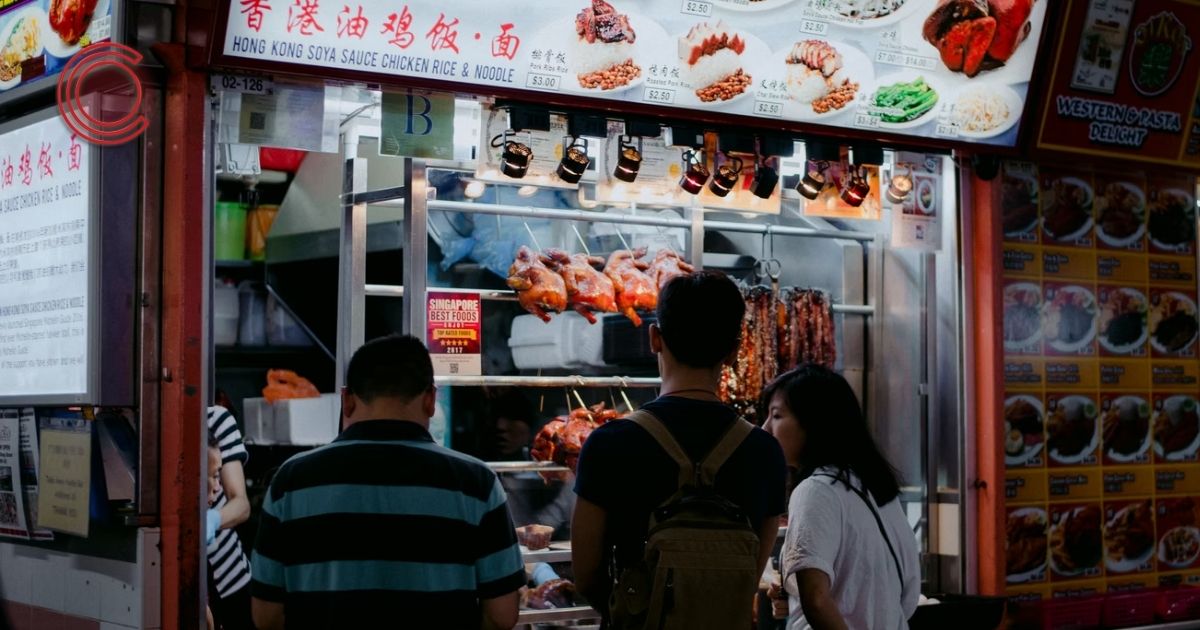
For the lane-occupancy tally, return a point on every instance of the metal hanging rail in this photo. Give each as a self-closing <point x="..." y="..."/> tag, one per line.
<point x="568" y="215"/>
<point x="786" y="230"/>
<point x="549" y="381"/>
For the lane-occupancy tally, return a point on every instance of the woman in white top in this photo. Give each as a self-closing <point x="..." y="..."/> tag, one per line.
<point x="850" y="558"/>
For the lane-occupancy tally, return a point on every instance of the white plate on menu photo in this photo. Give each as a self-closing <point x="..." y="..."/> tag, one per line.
<point x="8" y="27"/>
<point x="749" y="5"/>
<point x="55" y="45"/>
<point x="651" y="39"/>
<point x="755" y="50"/>
<point x="846" y="13"/>
<point x="908" y="76"/>
<point x="856" y="66"/>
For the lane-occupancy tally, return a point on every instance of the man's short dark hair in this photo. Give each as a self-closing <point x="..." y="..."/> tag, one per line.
<point x="396" y="366"/>
<point x="700" y="317"/>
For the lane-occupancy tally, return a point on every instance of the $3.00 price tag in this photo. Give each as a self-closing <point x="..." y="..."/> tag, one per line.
<point x="543" y="81"/>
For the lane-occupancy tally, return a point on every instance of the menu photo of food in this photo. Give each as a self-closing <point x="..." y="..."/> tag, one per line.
<point x="1173" y="323"/>
<point x="751" y="5"/>
<point x="1176" y="428"/>
<point x="824" y="78"/>
<point x="1076" y="541"/>
<point x="713" y="62"/>
<point x="906" y="100"/>
<point x="1121" y="215"/>
<point x="1122" y="327"/>
<point x="1019" y="202"/>
<point x="1067" y="202"/>
<point x="1024" y="431"/>
<point x="605" y="48"/>
<point x="1026" y="545"/>
<point x="1072" y="429"/>
<point x="1172" y="221"/>
<point x="864" y="14"/>
<point x="70" y="21"/>
<point x="1126" y="426"/>
<point x="1023" y="318"/>
<point x="984" y="112"/>
<point x="22" y="43"/>
<point x="1129" y="536"/>
<point x="1177" y="533"/>
<point x="1069" y="319"/>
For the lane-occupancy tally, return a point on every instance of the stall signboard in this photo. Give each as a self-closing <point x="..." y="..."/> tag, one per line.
<point x="454" y="333"/>
<point x="46" y="280"/>
<point x="39" y="37"/>
<point x="898" y="68"/>
<point x="1101" y="409"/>
<point x="1125" y="82"/>
<point x="416" y="123"/>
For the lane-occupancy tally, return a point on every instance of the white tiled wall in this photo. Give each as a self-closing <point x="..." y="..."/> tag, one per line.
<point x="118" y="594"/>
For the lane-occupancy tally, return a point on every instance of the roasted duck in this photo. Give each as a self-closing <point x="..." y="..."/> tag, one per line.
<point x="667" y="265"/>
<point x="561" y="440"/>
<point x="71" y="18"/>
<point x="635" y="289"/>
<point x="538" y="288"/>
<point x="588" y="290"/>
<point x="975" y="35"/>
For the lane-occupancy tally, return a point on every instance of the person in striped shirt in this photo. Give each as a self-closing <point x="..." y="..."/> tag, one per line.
<point x="383" y="528"/>
<point x="228" y="569"/>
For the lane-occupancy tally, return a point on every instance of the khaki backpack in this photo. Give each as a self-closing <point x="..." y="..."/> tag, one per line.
<point x="700" y="569"/>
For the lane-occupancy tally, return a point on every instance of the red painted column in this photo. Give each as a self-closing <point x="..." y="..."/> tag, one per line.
<point x="183" y="323"/>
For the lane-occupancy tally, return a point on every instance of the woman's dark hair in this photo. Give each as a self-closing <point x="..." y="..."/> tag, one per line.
<point x="836" y="433"/>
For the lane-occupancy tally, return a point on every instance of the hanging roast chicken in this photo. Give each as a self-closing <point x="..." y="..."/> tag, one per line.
<point x="667" y="265"/>
<point x="561" y="440"/>
<point x="975" y="35"/>
<point x="538" y="288"/>
<point x="636" y="291"/>
<point x="588" y="290"/>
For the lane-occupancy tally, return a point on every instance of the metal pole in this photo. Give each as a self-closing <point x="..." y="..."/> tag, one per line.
<point x="352" y="263"/>
<point x="697" y="237"/>
<point x="416" y="251"/>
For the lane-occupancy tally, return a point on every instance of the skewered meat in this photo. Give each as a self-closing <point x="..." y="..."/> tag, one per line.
<point x="667" y="265"/>
<point x="635" y="290"/>
<point x="588" y="290"/>
<point x="974" y="35"/>
<point x="552" y="594"/>
<point x="561" y="440"/>
<point x="538" y="289"/>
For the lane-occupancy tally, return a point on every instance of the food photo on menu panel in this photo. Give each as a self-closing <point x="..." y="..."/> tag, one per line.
<point x="38" y="38"/>
<point x="1076" y="540"/>
<point x="1027" y="544"/>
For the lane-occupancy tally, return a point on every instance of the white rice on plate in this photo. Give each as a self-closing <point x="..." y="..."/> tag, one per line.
<point x="598" y="56"/>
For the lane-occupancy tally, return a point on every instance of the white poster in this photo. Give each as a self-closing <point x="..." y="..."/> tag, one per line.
<point x="916" y="220"/>
<point x="29" y="472"/>
<point x="44" y="207"/>
<point x="12" y="513"/>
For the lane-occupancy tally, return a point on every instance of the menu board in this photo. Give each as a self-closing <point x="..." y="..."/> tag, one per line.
<point x="1125" y="82"/>
<point x="45" y="247"/>
<point x="1102" y="432"/>
<point x="956" y="70"/>
<point x="39" y="37"/>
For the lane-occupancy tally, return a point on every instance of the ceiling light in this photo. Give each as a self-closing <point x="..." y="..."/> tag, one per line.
<point x="899" y="188"/>
<point x="527" y="191"/>
<point x="814" y="179"/>
<point x="726" y="176"/>
<point x="574" y="161"/>
<point x="855" y="188"/>
<point x="765" y="180"/>
<point x="514" y="161"/>
<point x="695" y="173"/>
<point x="475" y="190"/>
<point x="629" y="160"/>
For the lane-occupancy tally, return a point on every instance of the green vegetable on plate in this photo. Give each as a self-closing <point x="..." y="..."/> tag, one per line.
<point x="902" y="102"/>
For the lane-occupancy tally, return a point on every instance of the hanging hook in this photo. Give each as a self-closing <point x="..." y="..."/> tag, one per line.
<point x="530" y="231"/>
<point x="581" y="241"/>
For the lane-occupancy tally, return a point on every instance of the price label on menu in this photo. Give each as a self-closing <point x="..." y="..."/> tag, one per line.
<point x="655" y="95"/>
<point x="814" y="27"/>
<point x="890" y="58"/>
<point x="920" y="63"/>
<point x="866" y="120"/>
<point x="768" y="108"/>
<point x="543" y="81"/>
<point x="946" y="130"/>
<point x="696" y="7"/>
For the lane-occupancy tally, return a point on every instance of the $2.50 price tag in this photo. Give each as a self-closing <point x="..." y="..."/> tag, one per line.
<point x="696" y="7"/>
<point x="656" y="95"/>
<point x="768" y="108"/>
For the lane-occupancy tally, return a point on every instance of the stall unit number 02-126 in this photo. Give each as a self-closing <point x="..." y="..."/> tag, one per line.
<point x="242" y="84"/>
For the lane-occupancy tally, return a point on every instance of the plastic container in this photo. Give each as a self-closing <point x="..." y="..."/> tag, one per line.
<point x="259" y="419"/>
<point x="229" y="231"/>
<point x="282" y="329"/>
<point x="306" y="421"/>
<point x="225" y="313"/>
<point x="566" y="341"/>
<point x="252" y="314"/>
<point x="258" y="225"/>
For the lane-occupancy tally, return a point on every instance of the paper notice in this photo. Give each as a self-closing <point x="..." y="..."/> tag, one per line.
<point x="12" y="513"/>
<point x="65" y="480"/>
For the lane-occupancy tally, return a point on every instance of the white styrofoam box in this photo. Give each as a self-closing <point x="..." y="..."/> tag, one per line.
<point x="258" y="418"/>
<point x="566" y="341"/>
<point x="307" y="421"/>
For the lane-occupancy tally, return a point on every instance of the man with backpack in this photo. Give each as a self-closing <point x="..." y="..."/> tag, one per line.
<point x="678" y="505"/>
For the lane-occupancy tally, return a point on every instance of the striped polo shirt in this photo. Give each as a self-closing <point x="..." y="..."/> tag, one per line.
<point x="227" y="564"/>
<point x="384" y="528"/>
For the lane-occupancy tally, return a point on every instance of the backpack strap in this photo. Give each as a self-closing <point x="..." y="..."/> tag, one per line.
<point x="723" y="451"/>
<point x="662" y="435"/>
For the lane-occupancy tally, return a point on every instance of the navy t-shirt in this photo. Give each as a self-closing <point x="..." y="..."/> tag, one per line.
<point x="624" y="470"/>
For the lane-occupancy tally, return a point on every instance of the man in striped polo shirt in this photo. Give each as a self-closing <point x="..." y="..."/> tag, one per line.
<point x="383" y="528"/>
